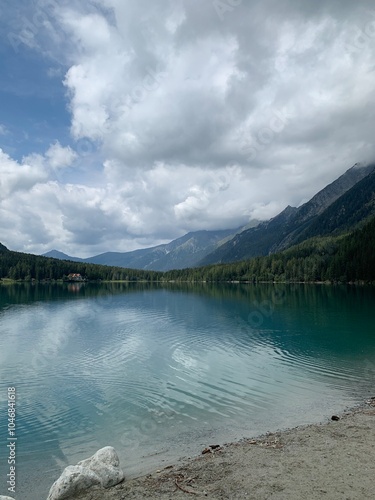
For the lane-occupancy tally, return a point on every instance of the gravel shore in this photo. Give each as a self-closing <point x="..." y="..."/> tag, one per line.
<point x="332" y="460"/>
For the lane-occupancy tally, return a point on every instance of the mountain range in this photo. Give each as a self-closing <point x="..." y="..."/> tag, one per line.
<point x="186" y="251"/>
<point x="341" y="206"/>
<point x="338" y="207"/>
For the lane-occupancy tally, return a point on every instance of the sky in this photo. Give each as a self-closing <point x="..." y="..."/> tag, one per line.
<point x="127" y="123"/>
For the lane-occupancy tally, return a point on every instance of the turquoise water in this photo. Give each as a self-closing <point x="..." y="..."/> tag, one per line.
<point x="160" y="372"/>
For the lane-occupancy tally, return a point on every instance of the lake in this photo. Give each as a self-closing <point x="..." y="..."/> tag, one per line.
<point x="160" y="372"/>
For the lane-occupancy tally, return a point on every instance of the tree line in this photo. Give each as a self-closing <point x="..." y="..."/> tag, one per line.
<point x="27" y="267"/>
<point x="345" y="258"/>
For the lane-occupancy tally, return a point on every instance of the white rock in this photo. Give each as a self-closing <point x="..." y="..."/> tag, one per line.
<point x="2" y="497"/>
<point x="102" y="468"/>
<point x="73" y="480"/>
<point x="105" y="463"/>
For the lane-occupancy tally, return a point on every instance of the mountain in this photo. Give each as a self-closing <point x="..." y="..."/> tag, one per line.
<point x="185" y="251"/>
<point x="319" y="203"/>
<point x="329" y="238"/>
<point x="345" y="258"/>
<point x="182" y="252"/>
<point x="336" y="208"/>
<point x="288" y="228"/>
<point x="55" y="254"/>
<point x="353" y="208"/>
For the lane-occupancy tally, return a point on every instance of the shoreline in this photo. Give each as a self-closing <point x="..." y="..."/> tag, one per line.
<point x="332" y="459"/>
<point x="9" y="281"/>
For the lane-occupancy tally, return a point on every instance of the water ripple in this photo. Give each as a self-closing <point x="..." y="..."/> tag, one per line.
<point x="144" y="369"/>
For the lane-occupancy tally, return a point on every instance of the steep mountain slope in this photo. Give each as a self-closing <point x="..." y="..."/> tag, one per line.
<point x="308" y="212"/>
<point x="252" y="242"/>
<point x="3" y="248"/>
<point x="286" y="229"/>
<point x="344" y="258"/>
<point x="333" y="191"/>
<point x="352" y="208"/>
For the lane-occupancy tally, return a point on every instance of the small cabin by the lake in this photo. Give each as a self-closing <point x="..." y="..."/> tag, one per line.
<point x="74" y="277"/>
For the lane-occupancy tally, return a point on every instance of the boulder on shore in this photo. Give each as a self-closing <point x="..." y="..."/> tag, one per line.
<point x="102" y="468"/>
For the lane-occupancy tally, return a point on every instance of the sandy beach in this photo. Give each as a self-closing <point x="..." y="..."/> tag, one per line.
<point x="332" y="460"/>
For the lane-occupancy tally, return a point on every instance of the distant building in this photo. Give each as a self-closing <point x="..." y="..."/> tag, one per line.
<point x="75" y="277"/>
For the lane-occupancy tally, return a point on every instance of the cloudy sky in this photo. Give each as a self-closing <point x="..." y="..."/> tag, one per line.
<point x="127" y="123"/>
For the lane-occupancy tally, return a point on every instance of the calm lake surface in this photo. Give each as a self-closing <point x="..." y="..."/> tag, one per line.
<point x="160" y="372"/>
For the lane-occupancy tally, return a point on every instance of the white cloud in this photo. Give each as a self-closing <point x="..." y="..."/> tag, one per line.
<point x="191" y="121"/>
<point x="19" y="176"/>
<point x="32" y="170"/>
<point x="60" y="157"/>
<point x="188" y="106"/>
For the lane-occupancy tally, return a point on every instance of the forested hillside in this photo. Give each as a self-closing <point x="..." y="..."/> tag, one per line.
<point x="23" y="266"/>
<point x="343" y="258"/>
<point x="337" y="207"/>
<point x="354" y="207"/>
